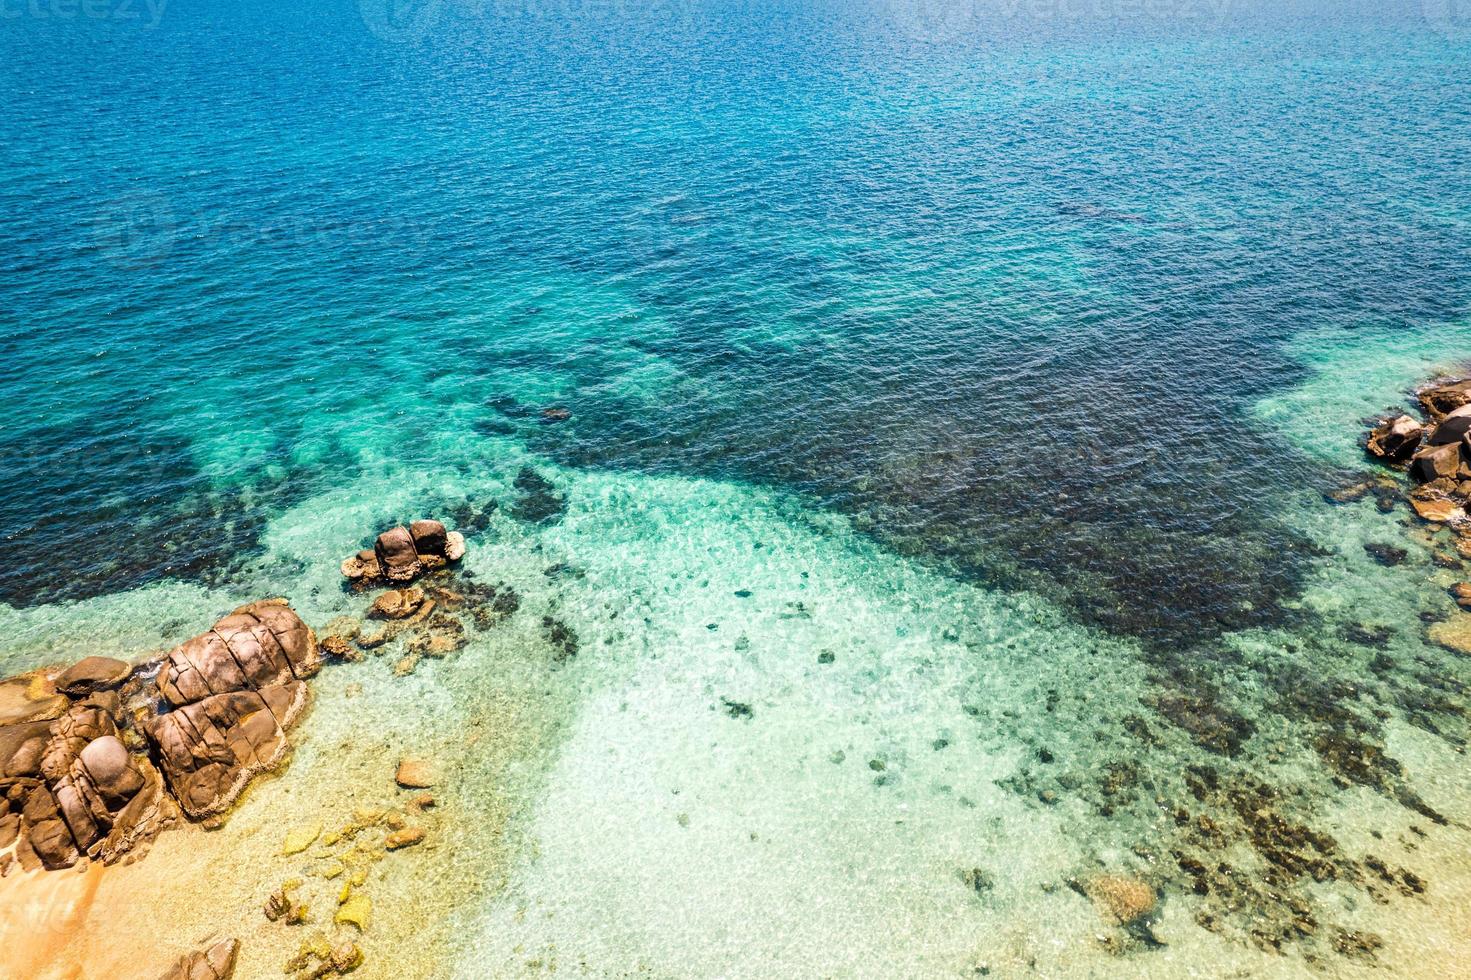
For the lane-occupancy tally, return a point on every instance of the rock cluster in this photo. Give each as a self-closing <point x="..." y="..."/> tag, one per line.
<point x="69" y="785"/>
<point x="96" y="761"/>
<point x="1437" y="456"/>
<point x="402" y="554"/>
<point x="1437" y="452"/>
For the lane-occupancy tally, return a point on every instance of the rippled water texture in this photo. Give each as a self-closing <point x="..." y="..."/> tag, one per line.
<point x="1005" y="354"/>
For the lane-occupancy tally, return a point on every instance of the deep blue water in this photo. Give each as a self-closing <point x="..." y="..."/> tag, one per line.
<point x="999" y="281"/>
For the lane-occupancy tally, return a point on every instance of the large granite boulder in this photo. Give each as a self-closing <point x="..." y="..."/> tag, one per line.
<point x="234" y="691"/>
<point x="211" y="749"/>
<point x="72" y="784"/>
<point x="1436" y="463"/>
<point x="401" y="554"/>
<point x="259" y="645"/>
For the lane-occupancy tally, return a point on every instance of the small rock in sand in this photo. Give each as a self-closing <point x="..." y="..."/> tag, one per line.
<point x="414" y="774"/>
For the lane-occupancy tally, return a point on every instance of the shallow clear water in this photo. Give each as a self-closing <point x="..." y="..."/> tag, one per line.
<point x="1004" y="355"/>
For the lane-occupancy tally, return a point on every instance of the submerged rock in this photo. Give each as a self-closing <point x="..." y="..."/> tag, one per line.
<point x="415" y="774"/>
<point x="215" y="963"/>
<point x="1454" y="634"/>
<point x="1121" y="899"/>
<point x="397" y="604"/>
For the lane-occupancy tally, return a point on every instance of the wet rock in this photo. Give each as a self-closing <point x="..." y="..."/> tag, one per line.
<point x="737" y="709"/>
<point x="300" y="838"/>
<point x="1461" y="592"/>
<point x="539" y="503"/>
<point x="415" y="774"/>
<point x="562" y="638"/>
<point x="73" y="788"/>
<point x="258" y="645"/>
<point x="1121" y="899"/>
<point x="1386" y="554"/>
<point x="215" y="963"/>
<point x="397" y="604"/>
<point x="977" y="880"/>
<point x="354" y="911"/>
<point x="30" y="697"/>
<point x="317" y="959"/>
<point x="1395" y="440"/>
<point x="1437" y="510"/>
<point x="407" y="837"/>
<point x="1454" y="634"/>
<point x="1207" y="721"/>
<point x="1444" y="397"/>
<point x="1436" y="462"/>
<point x="235" y="690"/>
<point x="1453" y="429"/>
<point x="92" y="674"/>
<point x="211" y="749"/>
<point x="1356" y="945"/>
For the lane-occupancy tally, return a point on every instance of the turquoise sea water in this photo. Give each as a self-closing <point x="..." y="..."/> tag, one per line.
<point x="954" y="391"/>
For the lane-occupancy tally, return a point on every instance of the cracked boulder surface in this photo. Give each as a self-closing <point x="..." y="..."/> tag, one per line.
<point x="98" y="759"/>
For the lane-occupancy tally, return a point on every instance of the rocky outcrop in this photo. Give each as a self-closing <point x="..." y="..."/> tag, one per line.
<point x="72" y="788"/>
<point x="1437" y="453"/>
<point x="234" y="691"/>
<point x="76" y="777"/>
<point x="1444" y="397"/>
<point x="215" y="963"/>
<point x="402" y="554"/>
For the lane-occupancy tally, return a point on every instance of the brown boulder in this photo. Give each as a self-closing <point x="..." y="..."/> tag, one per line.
<point x="215" y="963"/>
<point x="211" y="749"/>
<point x="1436" y="462"/>
<point x="1452" y="429"/>
<point x="1444" y="397"/>
<point x="1396" y="439"/>
<point x="91" y="674"/>
<point x="397" y="555"/>
<point x="260" y="645"/>
<point x="430" y="537"/>
<point x="109" y="768"/>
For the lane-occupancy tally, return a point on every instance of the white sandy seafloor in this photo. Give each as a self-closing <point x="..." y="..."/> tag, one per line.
<point x="614" y="815"/>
